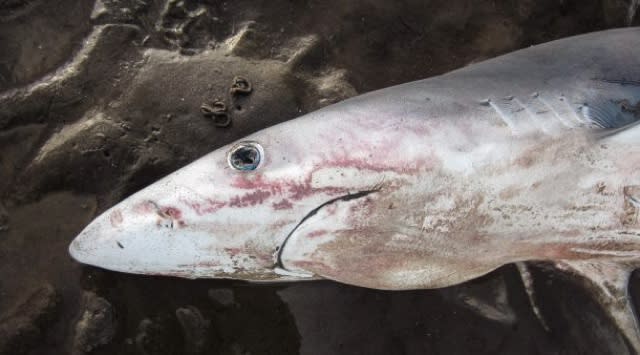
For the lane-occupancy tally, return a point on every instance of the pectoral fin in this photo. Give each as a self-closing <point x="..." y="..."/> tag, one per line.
<point x="608" y="282"/>
<point x="488" y="297"/>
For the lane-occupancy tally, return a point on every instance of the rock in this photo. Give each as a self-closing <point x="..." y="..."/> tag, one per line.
<point x="159" y="335"/>
<point x="142" y="337"/>
<point x="194" y="328"/>
<point x="22" y="327"/>
<point x="96" y="326"/>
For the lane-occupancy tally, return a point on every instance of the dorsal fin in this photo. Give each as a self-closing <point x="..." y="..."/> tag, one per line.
<point x="608" y="282"/>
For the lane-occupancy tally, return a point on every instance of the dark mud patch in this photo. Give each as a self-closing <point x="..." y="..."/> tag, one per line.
<point x="159" y="316"/>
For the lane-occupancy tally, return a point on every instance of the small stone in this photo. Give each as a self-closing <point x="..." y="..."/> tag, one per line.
<point x="96" y="326"/>
<point x="142" y="337"/>
<point x="158" y="335"/>
<point x="194" y="328"/>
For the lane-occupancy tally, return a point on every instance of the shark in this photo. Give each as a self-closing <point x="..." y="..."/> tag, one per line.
<point x="532" y="156"/>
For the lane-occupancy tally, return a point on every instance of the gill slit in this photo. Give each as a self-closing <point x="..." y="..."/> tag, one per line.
<point x="351" y="196"/>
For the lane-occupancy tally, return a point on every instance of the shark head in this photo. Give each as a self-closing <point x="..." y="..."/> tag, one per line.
<point x="231" y="213"/>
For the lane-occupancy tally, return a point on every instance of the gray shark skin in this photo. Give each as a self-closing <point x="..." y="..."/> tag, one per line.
<point x="531" y="156"/>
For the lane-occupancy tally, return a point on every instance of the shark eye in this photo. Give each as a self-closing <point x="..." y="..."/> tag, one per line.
<point x="245" y="156"/>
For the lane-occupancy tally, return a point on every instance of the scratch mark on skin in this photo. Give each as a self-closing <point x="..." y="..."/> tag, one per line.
<point x="282" y="205"/>
<point x="595" y="252"/>
<point x="264" y="190"/>
<point x="206" y="207"/>
<point x="316" y="234"/>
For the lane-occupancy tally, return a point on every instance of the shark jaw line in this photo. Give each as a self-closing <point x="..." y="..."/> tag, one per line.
<point x="279" y="267"/>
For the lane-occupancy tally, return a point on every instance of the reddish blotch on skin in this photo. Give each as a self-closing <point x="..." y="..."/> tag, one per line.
<point x="145" y="207"/>
<point x="249" y="199"/>
<point x="205" y="207"/>
<point x="171" y="212"/>
<point x="316" y="234"/>
<point x="282" y="205"/>
<point x="297" y="189"/>
<point x="115" y="218"/>
<point x="233" y="251"/>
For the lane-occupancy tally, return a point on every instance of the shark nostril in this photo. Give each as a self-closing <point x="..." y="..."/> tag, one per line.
<point x="170" y="217"/>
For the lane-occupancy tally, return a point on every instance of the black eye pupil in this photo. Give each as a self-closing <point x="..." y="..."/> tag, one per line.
<point x="245" y="157"/>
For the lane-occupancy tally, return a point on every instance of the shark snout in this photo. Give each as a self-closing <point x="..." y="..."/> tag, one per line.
<point x="104" y="241"/>
<point x="187" y="239"/>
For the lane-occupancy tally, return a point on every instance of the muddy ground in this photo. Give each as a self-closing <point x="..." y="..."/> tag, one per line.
<point x="100" y="99"/>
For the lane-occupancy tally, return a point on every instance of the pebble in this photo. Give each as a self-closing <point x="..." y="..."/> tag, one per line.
<point x="96" y="326"/>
